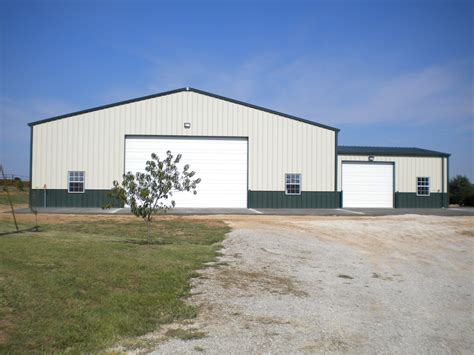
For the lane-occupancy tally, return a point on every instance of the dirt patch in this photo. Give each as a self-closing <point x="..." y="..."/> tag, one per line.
<point x="336" y="284"/>
<point x="466" y="232"/>
<point x="261" y="281"/>
<point x="326" y="344"/>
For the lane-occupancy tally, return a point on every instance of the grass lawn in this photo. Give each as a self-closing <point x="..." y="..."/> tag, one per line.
<point x="17" y="196"/>
<point x="83" y="285"/>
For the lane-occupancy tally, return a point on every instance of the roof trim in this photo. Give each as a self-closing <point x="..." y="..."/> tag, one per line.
<point x="142" y="98"/>
<point x="97" y="108"/>
<point x="264" y="109"/>
<point x="389" y="151"/>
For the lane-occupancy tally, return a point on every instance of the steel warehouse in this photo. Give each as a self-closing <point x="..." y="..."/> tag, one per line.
<point x="246" y="156"/>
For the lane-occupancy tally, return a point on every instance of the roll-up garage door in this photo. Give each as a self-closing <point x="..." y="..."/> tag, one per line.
<point x="221" y="163"/>
<point x="367" y="185"/>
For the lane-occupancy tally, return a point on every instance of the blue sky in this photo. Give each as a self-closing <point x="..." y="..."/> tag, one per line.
<point x="389" y="73"/>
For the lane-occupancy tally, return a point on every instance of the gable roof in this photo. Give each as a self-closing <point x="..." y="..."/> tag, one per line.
<point x="394" y="151"/>
<point x="181" y="90"/>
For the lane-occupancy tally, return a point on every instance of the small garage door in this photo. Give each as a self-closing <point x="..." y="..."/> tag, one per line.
<point x="221" y="163"/>
<point x="367" y="185"/>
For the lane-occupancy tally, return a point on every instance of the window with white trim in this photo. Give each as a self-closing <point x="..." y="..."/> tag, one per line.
<point x="422" y="186"/>
<point x="75" y="182"/>
<point x="293" y="184"/>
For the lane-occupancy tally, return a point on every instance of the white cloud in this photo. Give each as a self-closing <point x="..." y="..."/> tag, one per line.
<point x="427" y="95"/>
<point x="332" y="92"/>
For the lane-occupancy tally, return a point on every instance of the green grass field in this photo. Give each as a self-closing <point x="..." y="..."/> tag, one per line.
<point x="81" y="286"/>
<point x="17" y="196"/>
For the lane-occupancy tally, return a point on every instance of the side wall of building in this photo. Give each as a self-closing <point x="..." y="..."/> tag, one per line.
<point x="407" y="169"/>
<point x="94" y="143"/>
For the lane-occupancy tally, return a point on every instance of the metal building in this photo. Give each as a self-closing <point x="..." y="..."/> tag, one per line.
<point x="392" y="177"/>
<point x="246" y="156"/>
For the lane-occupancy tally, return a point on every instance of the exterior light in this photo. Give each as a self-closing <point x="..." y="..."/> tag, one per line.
<point x="371" y="158"/>
<point x="187" y="125"/>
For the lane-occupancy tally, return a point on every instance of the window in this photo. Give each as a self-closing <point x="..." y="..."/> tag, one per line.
<point x="422" y="186"/>
<point x="75" y="183"/>
<point x="293" y="184"/>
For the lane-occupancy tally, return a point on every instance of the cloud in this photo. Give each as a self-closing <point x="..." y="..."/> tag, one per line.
<point x="239" y="80"/>
<point x="334" y="92"/>
<point x="428" y="95"/>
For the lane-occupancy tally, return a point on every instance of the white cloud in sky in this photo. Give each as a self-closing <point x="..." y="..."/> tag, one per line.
<point x="332" y="92"/>
<point x="327" y="91"/>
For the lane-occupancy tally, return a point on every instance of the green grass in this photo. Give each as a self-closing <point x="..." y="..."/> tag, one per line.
<point x="82" y="286"/>
<point x="17" y="196"/>
<point x="185" y="334"/>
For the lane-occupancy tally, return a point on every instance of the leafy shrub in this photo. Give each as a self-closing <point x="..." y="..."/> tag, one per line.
<point x="461" y="191"/>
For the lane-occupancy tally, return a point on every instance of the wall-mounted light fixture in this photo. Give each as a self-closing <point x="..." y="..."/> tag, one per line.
<point x="371" y="158"/>
<point x="187" y="125"/>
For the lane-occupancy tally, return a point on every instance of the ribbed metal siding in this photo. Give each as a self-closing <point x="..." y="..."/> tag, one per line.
<point x="407" y="169"/>
<point x="94" y="142"/>
<point x="411" y="200"/>
<point x="277" y="199"/>
<point x="61" y="198"/>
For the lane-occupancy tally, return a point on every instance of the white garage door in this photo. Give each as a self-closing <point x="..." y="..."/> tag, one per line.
<point x="221" y="163"/>
<point x="367" y="185"/>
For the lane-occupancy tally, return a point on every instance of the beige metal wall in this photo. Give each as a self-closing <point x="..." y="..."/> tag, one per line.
<point x="94" y="142"/>
<point x="407" y="169"/>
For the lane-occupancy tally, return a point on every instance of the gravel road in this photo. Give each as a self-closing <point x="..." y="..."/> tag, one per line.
<point x="397" y="284"/>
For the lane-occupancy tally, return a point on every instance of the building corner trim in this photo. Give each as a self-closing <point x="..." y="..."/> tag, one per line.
<point x="335" y="160"/>
<point x="30" y="197"/>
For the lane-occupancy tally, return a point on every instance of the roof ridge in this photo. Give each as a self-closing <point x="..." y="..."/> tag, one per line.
<point x="187" y="88"/>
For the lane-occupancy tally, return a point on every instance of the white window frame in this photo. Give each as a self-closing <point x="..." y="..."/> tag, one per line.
<point x="294" y="183"/>
<point x="427" y="185"/>
<point x="69" y="181"/>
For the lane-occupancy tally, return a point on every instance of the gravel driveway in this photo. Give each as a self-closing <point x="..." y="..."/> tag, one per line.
<point x="397" y="284"/>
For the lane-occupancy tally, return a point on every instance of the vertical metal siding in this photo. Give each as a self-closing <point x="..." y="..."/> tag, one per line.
<point x="410" y="200"/>
<point x="94" y="141"/>
<point x="278" y="199"/>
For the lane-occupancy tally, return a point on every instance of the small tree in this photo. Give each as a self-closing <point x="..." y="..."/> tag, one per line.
<point x="461" y="191"/>
<point x="20" y="185"/>
<point x="151" y="192"/>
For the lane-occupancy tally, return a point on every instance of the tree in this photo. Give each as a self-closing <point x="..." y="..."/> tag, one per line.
<point x="151" y="192"/>
<point x="20" y="185"/>
<point x="461" y="191"/>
